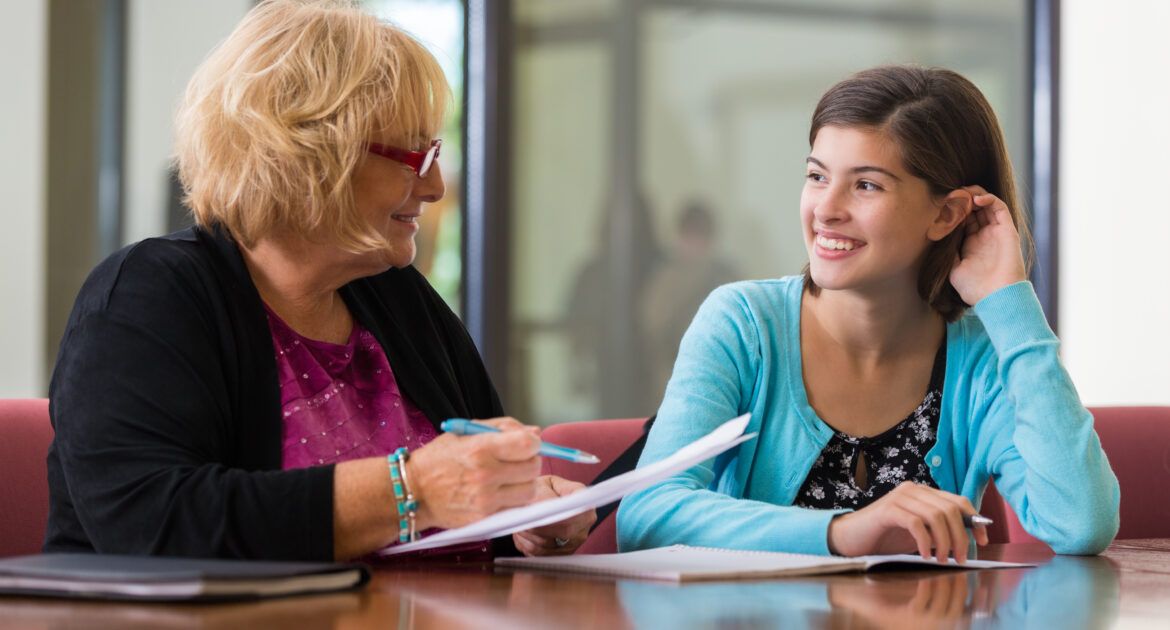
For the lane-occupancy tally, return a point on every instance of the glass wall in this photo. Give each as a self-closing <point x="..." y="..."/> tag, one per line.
<point x="659" y="149"/>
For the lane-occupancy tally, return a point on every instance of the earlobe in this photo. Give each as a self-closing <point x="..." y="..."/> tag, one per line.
<point x="955" y="209"/>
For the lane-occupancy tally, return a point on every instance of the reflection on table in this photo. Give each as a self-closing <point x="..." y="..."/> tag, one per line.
<point x="1067" y="592"/>
<point x="1129" y="586"/>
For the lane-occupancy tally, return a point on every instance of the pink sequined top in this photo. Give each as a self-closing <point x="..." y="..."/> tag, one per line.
<point x="341" y="402"/>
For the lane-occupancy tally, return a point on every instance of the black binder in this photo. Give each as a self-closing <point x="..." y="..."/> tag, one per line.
<point x="156" y="578"/>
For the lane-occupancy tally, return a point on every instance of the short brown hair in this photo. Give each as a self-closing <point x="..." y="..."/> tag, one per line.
<point x="948" y="136"/>
<point x="275" y="121"/>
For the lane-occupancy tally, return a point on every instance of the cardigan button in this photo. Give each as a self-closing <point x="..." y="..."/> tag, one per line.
<point x="936" y="461"/>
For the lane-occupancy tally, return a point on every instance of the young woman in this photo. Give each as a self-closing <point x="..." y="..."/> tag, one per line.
<point x="884" y="405"/>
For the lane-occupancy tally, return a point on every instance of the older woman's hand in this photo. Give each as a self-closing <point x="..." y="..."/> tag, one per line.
<point x="559" y="538"/>
<point x="461" y="479"/>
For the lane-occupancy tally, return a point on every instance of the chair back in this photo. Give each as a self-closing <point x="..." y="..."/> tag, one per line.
<point x="1137" y="442"/>
<point x="607" y="439"/>
<point x="1006" y="525"/>
<point x="25" y="434"/>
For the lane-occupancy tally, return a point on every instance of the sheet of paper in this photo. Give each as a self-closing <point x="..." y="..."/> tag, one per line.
<point x="726" y="436"/>
<point x="680" y="563"/>
<point x="873" y="561"/>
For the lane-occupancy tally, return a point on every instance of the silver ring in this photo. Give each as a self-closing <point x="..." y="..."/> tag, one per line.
<point x="560" y="542"/>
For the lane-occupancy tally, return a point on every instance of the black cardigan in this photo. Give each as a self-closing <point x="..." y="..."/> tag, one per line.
<point x="166" y="404"/>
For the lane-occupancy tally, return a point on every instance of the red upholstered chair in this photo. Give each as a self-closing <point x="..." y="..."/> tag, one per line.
<point x="607" y="439"/>
<point x="1006" y="527"/>
<point x="25" y="434"/>
<point x="1137" y="442"/>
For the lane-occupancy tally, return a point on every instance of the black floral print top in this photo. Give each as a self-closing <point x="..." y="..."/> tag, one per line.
<point x="895" y="456"/>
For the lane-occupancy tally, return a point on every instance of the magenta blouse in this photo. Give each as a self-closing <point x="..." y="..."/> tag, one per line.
<point x="341" y="402"/>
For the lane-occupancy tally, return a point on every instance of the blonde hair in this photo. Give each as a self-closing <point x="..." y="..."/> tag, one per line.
<point x="275" y="121"/>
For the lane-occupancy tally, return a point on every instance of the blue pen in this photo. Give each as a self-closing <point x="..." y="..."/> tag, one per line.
<point x="463" y="426"/>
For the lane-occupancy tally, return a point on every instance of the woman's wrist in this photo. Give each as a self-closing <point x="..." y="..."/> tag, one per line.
<point x="836" y="534"/>
<point x="1013" y="316"/>
<point x="423" y="518"/>
<point x="996" y="286"/>
<point x="406" y="508"/>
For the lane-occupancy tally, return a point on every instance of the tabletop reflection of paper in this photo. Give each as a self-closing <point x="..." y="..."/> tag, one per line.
<point x="518" y="519"/>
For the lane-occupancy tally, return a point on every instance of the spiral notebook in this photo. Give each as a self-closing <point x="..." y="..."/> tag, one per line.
<point x="681" y="563"/>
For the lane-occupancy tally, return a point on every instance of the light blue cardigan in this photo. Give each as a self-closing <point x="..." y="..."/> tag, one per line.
<point x="1009" y="412"/>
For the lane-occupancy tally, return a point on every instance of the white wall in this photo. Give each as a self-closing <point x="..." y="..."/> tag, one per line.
<point x="1115" y="200"/>
<point x="166" y="41"/>
<point x="23" y="63"/>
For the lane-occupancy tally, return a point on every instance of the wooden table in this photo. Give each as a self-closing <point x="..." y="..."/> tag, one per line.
<point x="1129" y="586"/>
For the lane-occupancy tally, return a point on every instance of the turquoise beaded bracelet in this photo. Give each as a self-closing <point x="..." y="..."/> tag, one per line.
<point x="403" y="497"/>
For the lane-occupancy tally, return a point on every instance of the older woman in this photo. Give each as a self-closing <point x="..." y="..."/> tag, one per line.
<point x="235" y="389"/>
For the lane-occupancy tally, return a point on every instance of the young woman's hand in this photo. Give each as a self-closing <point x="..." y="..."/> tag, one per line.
<point x="458" y="480"/>
<point x="990" y="258"/>
<point x="912" y="516"/>
<point x="559" y="538"/>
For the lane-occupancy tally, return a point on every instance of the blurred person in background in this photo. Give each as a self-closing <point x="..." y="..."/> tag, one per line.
<point x="677" y="288"/>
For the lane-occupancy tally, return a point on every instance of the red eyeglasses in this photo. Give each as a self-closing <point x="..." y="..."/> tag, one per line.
<point x="419" y="161"/>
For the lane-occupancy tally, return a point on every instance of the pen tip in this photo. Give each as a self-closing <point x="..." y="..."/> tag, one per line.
<point x="590" y="459"/>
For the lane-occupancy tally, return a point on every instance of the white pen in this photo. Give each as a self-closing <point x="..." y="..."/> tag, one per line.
<point x="976" y="519"/>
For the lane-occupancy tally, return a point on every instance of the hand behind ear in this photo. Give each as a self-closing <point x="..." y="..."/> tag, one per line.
<point x="957" y="206"/>
<point x="990" y="257"/>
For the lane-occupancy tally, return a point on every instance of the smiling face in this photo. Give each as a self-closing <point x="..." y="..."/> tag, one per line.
<point x="867" y="221"/>
<point x="390" y="197"/>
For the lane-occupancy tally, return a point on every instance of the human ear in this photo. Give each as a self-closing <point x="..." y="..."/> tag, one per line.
<point x="955" y="209"/>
